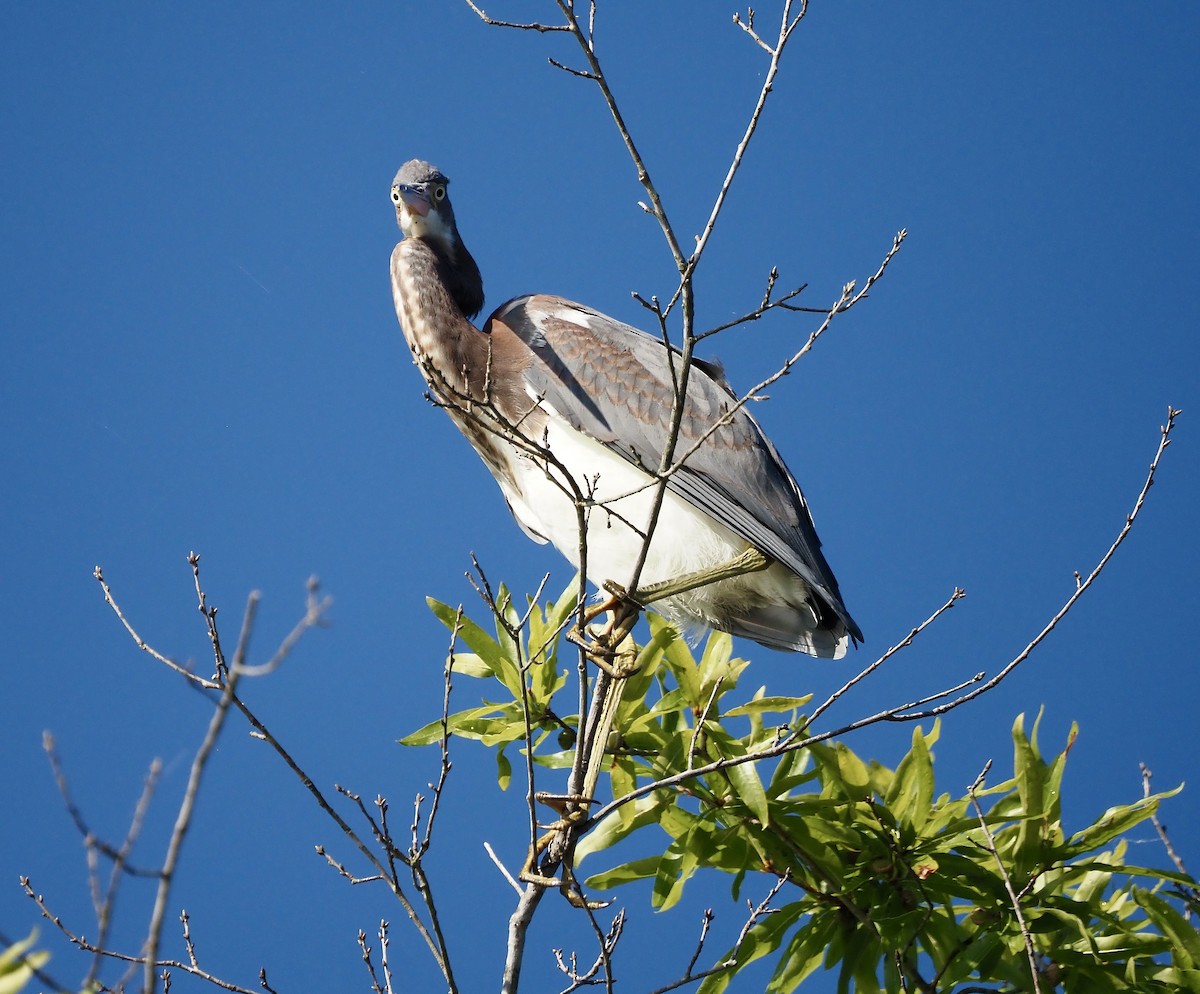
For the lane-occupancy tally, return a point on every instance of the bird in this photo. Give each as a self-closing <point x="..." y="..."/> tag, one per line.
<point x="571" y="411"/>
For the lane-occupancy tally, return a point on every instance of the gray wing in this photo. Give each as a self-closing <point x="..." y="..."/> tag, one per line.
<point x="614" y="383"/>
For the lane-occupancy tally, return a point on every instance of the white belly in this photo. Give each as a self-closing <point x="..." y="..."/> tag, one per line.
<point x="685" y="539"/>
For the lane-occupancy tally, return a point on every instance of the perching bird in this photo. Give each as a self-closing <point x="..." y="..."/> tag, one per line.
<point x="564" y="403"/>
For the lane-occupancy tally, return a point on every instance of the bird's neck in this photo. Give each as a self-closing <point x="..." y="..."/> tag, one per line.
<point x="444" y="343"/>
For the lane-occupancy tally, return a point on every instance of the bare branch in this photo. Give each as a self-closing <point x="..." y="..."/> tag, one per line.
<point x="764" y="307"/>
<point x="141" y="643"/>
<point x="602" y="965"/>
<point x="104" y="901"/>
<point x="518" y="929"/>
<point x="183" y="819"/>
<point x="748" y="26"/>
<point x="530" y="26"/>
<point x="757" y="913"/>
<point x="580" y="73"/>
<point x="905" y="712"/>
<point x="140" y="960"/>
<point x="902" y="644"/>
<point x="1164" y="440"/>
<point x="787" y="26"/>
<point x="314" y="616"/>
<point x="117" y="855"/>
<point x="501" y="867"/>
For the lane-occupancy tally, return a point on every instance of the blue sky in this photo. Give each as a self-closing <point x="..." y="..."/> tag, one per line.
<point x="200" y="352"/>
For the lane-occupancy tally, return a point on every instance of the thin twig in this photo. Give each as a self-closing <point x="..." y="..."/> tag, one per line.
<point x="757" y="913"/>
<point x="1192" y="892"/>
<point x="602" y="964"/>
<point x="445" y="765"/>
<point x="1164" y="441"/>
<point x="140" y="960"/>
<point x="314" y="616"/>
<point x="765" y="307"/>
<point x="902" y="644"/>
<point x="528" y="26"/>
<point x="187" y="807"/>
<point x="501" y="867"/>
<point x="141" y="643"/>
<point x="701" y="721"/>
<point x="1030" y="952"/>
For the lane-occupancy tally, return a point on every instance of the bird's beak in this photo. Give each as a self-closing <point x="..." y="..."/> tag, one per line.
<point x="415" y="198"/>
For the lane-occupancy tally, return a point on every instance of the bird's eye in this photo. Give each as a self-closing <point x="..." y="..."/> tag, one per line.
<point x="395" y="194"/>
<point x="439" y="193"/>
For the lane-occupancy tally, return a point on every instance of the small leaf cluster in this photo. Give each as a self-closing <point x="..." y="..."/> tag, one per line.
<point x="522" y="658"/>
<point x="890" y="884"/>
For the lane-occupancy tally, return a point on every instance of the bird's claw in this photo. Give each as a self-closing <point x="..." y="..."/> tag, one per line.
<point x="606" y="644"/>
<point x="573" y="809"/>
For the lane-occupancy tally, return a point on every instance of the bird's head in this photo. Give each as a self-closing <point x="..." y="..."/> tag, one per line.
<point x="423" y="206"/>
<point x="424" y="213"/>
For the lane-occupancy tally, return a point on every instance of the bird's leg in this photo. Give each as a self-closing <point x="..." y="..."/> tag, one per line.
<point x="626" y="607"/>
<point x="572" y="810"/>
<point x="750" y="561"/>
<point x="604" y="646"/>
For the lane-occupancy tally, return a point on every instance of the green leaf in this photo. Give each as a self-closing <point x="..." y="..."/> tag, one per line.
<point x="910" y="797"/>
<point x="623" y="777"/>
<point x="638" y="869"/>
<point x="17" y="964"/>
<point x="1115" y="821"/>
<point x="672" y="700"/>
<point x="715" y="662"/>
<point x="503" y="770"/>
<point x="794" y="770"/>
<point x="612" y="829"/>
<point x="457" y="724"/>
<point x="806" y="951"/>
<point x="769" y="705"/>
<point x="853" y="773"/>
<point x="562" y="607"/>
<point x="1185" y="940"/>
<point x="677" y="866"/>
<point x="1030" y="774"/>
<point x="743" y="777"/>
<point x="680" y="662"/>
<point x="649" y="658"/>
<point x="1054" y="776"/>
<point x="470" y="664"/>
<point x="745" y="780"/>
<point x="503" y="666"/>
<point x="506" y="614"/>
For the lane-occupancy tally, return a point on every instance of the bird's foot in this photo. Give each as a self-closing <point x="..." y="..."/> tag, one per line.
<point x="606" y="645"/>
<point x="573" y="810"/>
<point x="609" y="645"/>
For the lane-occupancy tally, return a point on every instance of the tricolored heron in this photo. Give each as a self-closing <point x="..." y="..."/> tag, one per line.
<point x="571" y="412"/>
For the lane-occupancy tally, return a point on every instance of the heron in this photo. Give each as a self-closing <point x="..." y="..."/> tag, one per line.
<point x="571" y="412"/>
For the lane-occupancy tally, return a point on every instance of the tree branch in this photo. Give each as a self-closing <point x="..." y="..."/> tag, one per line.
<point x="905" y="712"/>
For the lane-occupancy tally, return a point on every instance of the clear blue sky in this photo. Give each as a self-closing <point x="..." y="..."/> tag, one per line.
<point x="200" y="352"/>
